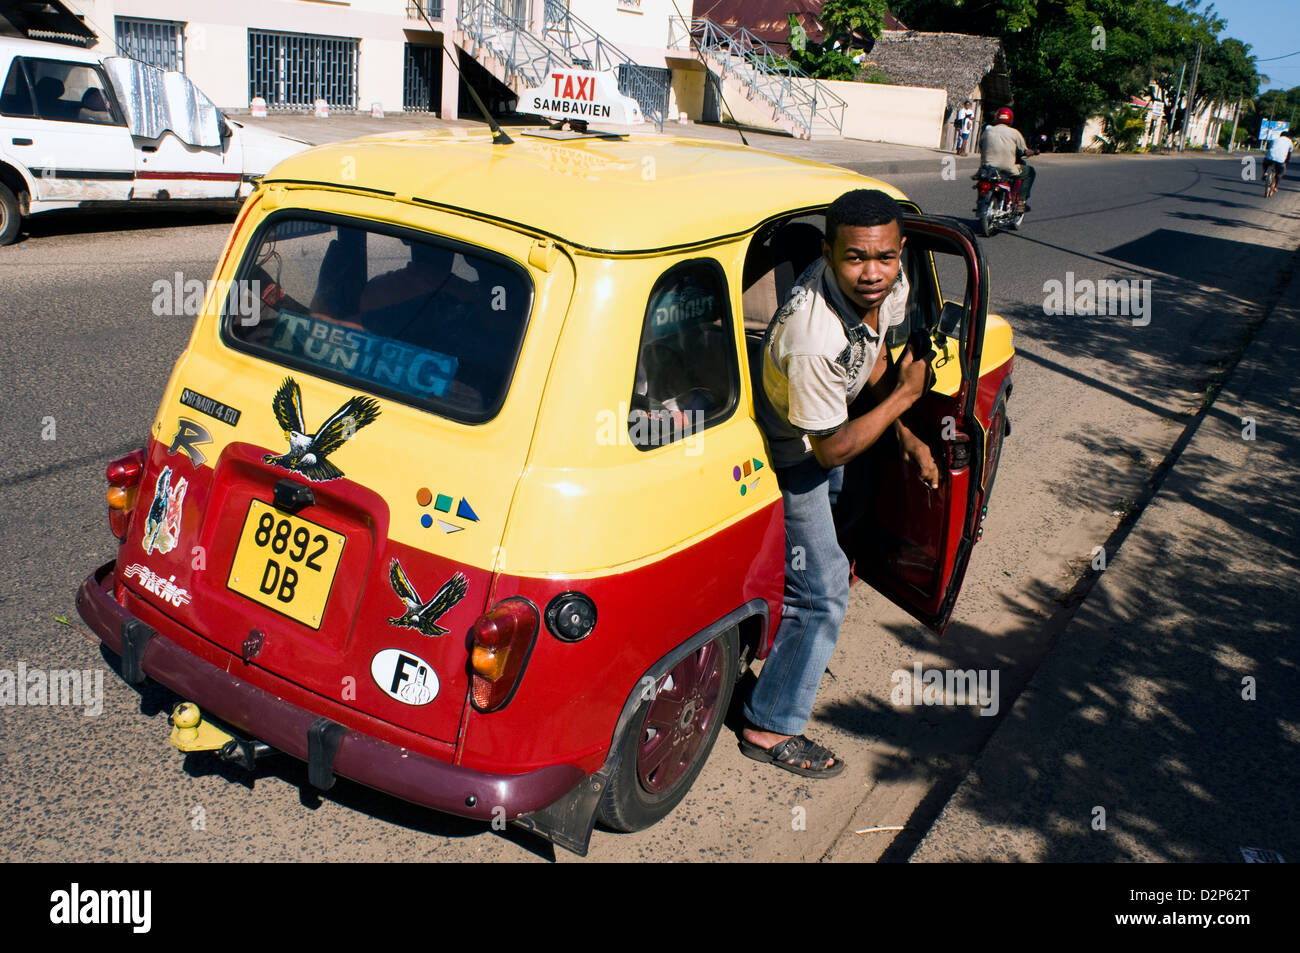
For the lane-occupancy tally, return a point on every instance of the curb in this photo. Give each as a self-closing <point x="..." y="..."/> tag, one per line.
<point x="1087" y="636"/>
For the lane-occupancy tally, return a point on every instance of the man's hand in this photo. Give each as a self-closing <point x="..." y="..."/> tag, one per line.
<point x="917" y="451"/>
<point x="912" y="375"/>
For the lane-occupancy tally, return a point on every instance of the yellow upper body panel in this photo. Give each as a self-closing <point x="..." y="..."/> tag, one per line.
<point x="556" y="484"/>
<point x="638" y="193"/>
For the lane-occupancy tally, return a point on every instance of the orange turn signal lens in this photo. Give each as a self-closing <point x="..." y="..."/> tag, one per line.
<point x="121" y="498"/>
<point x="489" y="663"/>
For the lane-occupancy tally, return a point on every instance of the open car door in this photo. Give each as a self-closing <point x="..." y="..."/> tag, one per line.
<point x="904" y="539"/>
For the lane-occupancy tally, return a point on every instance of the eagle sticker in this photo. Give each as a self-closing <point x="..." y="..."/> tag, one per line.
<point x="162" y="527"/>
<point x="307" y="452"/>
<point x="420" y="615"/>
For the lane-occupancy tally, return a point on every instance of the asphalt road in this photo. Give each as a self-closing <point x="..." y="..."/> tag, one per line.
<point x="1100" y="404"/>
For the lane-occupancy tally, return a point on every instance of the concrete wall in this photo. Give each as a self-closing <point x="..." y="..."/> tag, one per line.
<point x="908" y="115"/>
<point x="637" y="27"/>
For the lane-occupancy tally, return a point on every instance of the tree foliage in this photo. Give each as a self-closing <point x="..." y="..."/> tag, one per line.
<point x="849" y="27"/>
<point x="1070" y="59"/>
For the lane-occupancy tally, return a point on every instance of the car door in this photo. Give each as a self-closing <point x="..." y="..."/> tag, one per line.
<point x="63" y="120"/>
<point x="183" y="149"/>
<point x="908" y="541"/>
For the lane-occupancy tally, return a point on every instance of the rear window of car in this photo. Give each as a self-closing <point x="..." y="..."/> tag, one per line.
<point x="416" y="317"/>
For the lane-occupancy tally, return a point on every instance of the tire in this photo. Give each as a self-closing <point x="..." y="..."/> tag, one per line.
<point x="687" y="712"/>
<point x="11" y="218"/>
<point x="993" y="446"/>
<point x="985" y="211"/>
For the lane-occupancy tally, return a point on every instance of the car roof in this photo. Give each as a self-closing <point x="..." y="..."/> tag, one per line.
<point x="625" y="195"/>
<point x="22" y="46"/>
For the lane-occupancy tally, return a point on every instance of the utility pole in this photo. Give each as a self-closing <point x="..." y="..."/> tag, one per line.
<point x="1173" y="107"/>
<point x="1191" y="97"/>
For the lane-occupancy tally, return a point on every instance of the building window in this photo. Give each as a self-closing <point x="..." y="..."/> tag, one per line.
<point x="432" y="9"/>
<point x="159" y="43"/>
<point x="293" y="70"/>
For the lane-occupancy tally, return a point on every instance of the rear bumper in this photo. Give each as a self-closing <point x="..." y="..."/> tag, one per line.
<point x="378" y="764"/>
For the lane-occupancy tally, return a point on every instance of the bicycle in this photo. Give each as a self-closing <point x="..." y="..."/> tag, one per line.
<point x="1270" y="181"/>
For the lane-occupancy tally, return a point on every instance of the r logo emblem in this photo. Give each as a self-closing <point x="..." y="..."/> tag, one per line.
<point x="188" y="434"/>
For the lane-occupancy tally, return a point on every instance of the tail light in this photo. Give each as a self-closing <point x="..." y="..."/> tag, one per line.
<point x="502" y="640"/>
<point x="985" y="186"/>
<point x="123" y="477"/>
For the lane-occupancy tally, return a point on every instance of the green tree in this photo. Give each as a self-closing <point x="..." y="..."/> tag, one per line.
<point x="849" y="27"/>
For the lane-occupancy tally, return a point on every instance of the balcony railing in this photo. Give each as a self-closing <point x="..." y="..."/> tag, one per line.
<point x="432" y="9"/>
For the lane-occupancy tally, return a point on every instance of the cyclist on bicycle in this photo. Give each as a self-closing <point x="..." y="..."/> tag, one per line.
<point x="1279" y="152"/>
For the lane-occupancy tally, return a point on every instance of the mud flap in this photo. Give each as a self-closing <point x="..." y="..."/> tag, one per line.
<point x="135" y="637"/>
<point x="568" y="822"/>
<point x="323" y="739"/>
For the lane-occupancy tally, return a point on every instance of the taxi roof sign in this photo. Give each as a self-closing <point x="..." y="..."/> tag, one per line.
<point x="580" y="95"/>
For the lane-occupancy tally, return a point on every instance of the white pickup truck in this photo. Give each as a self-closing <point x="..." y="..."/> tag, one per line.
<point x="78" y="129"/>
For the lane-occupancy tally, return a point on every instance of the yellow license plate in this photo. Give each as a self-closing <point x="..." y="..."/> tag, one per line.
<point x="285" y="563"/>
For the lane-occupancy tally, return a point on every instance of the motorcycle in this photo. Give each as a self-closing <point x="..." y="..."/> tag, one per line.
<point x="995" y="204"/>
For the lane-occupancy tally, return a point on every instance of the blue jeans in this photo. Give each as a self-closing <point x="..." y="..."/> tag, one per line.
<point x="816" y="597"/>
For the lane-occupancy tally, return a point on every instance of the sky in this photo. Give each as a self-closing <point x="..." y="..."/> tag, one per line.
<point x="1272" y="28"/>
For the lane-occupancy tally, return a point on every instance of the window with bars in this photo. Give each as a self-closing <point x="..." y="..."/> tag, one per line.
<point x="422" y="79"/>
<point x="159" y="43"/>
<point x="293" y="70"/>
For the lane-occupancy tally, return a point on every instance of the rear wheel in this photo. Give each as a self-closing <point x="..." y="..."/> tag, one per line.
<point x="985" y="211"/>
<point x="993" y="446"/>
<point x="11" y="218"/>
<point x="670" y="736"/>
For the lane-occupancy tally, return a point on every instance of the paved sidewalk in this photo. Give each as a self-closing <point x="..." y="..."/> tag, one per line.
<point x="1143" y="709"/>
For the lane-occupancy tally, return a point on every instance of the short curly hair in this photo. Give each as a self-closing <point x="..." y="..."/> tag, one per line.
<point x="862" y="208"/>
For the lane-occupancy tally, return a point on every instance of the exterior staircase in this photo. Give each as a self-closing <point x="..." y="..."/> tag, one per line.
<point x="521" y="59"/>
<point x="750" y="68"/>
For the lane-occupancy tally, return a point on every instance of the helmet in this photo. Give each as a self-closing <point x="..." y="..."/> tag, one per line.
<point x="1004" y="115"/>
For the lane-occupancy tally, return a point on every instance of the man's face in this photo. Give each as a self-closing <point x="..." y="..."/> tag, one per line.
<point x="865" y="259"/>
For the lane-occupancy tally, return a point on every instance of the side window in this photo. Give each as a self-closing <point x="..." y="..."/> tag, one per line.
<point x="16" y="96"/>
<point x="71" y="92"/>
<point x="687" y="375"/>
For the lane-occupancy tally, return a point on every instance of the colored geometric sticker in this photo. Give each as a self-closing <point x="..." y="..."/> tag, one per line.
<point x="426" y="520"/>
<point x="448" y="527"/>
<point x="748" y="468"/>
<point x="758" y="464"/>
<point x="464" y="511"/>
<point x="735" y="473"/>
<point x="742" y="489"/>
<point x="443" y="503"/>
<point x="423" y="496"/>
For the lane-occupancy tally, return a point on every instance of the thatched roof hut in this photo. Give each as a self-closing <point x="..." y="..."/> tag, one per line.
<point x="967" y="67"/>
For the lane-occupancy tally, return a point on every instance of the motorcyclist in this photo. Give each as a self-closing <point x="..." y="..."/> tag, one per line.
<point x="1002" y="146"/>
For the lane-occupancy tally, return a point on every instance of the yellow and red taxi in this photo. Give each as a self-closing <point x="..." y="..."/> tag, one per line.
<point x="457" y="490"/>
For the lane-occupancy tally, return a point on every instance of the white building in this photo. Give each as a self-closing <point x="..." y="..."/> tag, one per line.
<point x="355" y="53"/>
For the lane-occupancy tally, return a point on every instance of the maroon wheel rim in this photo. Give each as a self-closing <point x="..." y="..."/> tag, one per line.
<point x="680" y="719"/>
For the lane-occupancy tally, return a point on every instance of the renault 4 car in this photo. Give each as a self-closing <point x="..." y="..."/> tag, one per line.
<point x="457" y="490"/>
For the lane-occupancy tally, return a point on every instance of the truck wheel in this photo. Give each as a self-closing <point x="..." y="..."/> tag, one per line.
<point x="670" y="736"/>
<point x="11" y="219"/>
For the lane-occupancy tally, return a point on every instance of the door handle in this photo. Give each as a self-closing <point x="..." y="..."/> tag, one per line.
<point x="148" y="148"/>
<point x="22" y="142"/>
